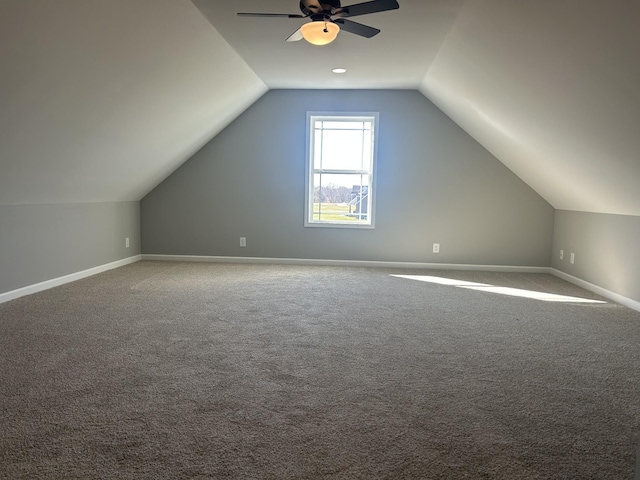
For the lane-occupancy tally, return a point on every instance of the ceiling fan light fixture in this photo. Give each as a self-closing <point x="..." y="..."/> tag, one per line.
<point x="320" y="32"/>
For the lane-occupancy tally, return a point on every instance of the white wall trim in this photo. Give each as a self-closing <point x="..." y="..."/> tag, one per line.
<point x="72" y="277"/>
<point x="344" y="263"/>
<point x="627" y="302"/>
<point x="54" y="282"/>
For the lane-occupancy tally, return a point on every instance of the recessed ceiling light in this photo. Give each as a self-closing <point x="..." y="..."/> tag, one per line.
<point x="339" y="70"/>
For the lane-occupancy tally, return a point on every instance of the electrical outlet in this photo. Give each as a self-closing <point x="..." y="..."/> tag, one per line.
<point x="243" y="241"/>
<point x="436" y="248"/>
<point x="126" y="242"/>
<point x="572" y="258"/>
<point x="561" y="254"/>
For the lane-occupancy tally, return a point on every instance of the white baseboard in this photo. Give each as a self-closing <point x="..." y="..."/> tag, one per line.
<point x="55" y="282"/>
<point x="627" y="302"/>
<point x="343" y="263"/>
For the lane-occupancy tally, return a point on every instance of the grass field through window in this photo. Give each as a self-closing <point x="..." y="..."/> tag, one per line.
<point x="334" y="212"/>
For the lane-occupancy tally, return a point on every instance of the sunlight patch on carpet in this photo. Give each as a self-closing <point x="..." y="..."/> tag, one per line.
<point x="513" y="292"/>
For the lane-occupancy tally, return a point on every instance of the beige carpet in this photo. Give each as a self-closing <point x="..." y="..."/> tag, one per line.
<point x="176" y="370"/>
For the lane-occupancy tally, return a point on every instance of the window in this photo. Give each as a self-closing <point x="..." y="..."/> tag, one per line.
<point x="340" y="170"/>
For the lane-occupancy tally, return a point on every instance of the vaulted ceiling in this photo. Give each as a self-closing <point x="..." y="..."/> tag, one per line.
<point x="101" y="100"/>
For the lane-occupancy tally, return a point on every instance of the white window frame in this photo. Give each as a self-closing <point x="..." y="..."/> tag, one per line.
<point x="310" y="171"/>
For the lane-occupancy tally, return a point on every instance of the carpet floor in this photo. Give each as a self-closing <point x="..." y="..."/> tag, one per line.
<point x="167" y="370"/>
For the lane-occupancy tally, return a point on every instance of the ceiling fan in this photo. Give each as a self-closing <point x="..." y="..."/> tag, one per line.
<point x="328" y="17"/>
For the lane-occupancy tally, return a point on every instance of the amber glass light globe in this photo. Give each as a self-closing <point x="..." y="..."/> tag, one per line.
<point x="320" y="32"/>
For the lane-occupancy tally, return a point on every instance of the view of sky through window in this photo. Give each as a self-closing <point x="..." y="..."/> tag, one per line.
<point x="341" y="163"/>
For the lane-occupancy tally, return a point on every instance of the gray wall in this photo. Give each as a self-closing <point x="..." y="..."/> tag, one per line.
<point x="42" y="242"/>
<point x="434" y="184"/>
<point x="606" y="247"/>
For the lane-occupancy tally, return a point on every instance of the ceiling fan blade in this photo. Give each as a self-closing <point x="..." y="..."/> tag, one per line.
<point x="357" y="28"/>
<point x="365" y="8"/>
<point x="277" y="15"/>
<point x="295" y="36"/>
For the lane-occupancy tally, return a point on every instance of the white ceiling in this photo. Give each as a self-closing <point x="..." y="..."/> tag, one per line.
<point x="552" y="89"/>
<point x="101" y="100"/>
<point x="398" y="57"/>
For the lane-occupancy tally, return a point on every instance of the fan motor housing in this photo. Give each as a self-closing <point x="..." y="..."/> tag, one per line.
<point x="327" y="6"/>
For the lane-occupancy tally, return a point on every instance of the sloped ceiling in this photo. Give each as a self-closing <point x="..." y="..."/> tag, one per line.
<point x="101" y="100"/>
<point x="552" y="89"/>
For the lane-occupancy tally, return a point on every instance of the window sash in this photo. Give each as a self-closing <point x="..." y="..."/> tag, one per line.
<point x="360" y="207"/>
